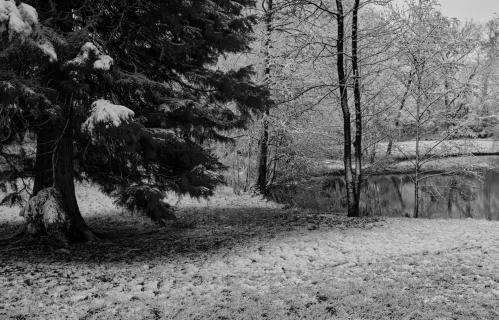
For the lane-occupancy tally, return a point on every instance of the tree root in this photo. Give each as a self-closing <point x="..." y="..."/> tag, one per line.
<point x="45" y="215"/>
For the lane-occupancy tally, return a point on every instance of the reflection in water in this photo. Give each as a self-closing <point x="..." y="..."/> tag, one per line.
<point x="442" y="196"/>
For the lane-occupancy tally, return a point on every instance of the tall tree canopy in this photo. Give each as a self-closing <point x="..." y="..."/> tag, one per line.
<point x="123" y="94"/>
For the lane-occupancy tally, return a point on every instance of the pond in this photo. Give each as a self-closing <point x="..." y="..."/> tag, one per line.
<point x="457" y="196"/>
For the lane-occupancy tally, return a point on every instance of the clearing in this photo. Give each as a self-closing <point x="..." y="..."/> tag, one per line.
<point x="238" y="257"/>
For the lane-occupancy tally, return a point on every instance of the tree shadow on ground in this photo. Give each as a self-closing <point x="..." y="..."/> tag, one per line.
<point x="206" y="231"/>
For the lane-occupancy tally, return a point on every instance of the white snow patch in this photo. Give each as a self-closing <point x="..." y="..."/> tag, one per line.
<point x="6" y="85"/>
<point x="84" y="54"/>
<point x="104" y="111"/>
<point x="87" y="48"/>
<point x="28" y="91"/>
<point x="6" y="7"/>
<point x="28" y="13"/>
<point x="18" y="26"/>
<point x="21" y="21"/>
<point x="17" y="20"/>
<point x="90" y="51"/>
<point x="48" y="49"/>
<point x="103" y="63"/>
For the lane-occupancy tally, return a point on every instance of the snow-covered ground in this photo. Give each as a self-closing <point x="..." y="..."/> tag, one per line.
<point x="440" y="148"/>
<point x="238" y="257"/>
<point x="476" y="154"/>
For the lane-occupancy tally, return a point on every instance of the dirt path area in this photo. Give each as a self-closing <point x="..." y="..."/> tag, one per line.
<point x="242" y="258"/>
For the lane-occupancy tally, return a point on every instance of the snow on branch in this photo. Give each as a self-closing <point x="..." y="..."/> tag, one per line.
<point x="89" y="52"/>
<point x="48" y="49"/>
<point x="103" y="63"/>
<point x="18" y="20"/>
<point x="107" y="113"/>
<point x="28" y="13"/>
<point x="21" y="21"/>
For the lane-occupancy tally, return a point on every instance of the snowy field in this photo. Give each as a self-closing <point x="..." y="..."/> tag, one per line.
<point x="238" y="257"/>
<point x="440" y="155"/>
<point x="440" y="148"/>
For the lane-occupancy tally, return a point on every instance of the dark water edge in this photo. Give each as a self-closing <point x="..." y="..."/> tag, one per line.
<point x="443" y="196"/>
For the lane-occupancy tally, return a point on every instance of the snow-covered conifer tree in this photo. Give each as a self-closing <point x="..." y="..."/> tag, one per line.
<point x="122" y="94"/>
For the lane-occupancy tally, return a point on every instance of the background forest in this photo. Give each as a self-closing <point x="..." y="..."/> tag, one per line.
<point x="421" y="76"/>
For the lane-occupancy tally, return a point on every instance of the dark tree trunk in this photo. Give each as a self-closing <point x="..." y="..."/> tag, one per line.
<point x="347" y="131"/>
<point x="358" y="110"/>
<point x="417" y="161"/>
<point x="248" y="168"/>
<point x="54" y="169"/>
<point x="399" y="114"/>
<point x="45" y="145"/>
<point x="261" y="181"/>
<point x="64" y="182"/>
<point x="416" y="196"/>
<point x="262" y="168"/>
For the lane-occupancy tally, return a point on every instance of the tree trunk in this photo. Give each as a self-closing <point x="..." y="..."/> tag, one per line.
<point x="262" y="169"/>
<point x="54" y="169"/>
<point x="447" y="103"/>
<point x="399" y="114"/>
<point x="417" y="161"/>
<point x="416" y="196"/>
<point x="484" y="95"/>
<point x="44" y="214"/>
<point x="248" y="168"/>
<point x="358" y="110"/>
<point x="450" y="199"/>
<point x="347" y="131"/>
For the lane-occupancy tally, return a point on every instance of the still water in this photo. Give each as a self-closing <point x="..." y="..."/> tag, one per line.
<point x="455" y="196"/>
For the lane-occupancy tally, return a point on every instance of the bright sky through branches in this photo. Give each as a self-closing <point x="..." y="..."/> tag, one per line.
<point x="466" y="10"/>
<point x="477" y="10"/>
